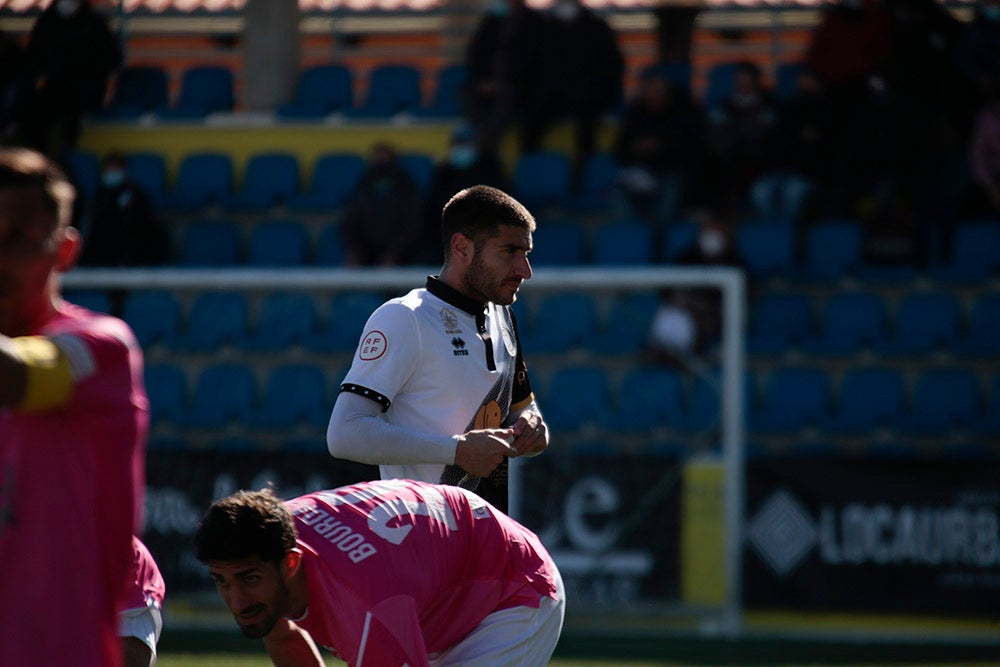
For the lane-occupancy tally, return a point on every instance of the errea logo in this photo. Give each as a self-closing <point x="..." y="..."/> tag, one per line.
<point x="459" y="346"/>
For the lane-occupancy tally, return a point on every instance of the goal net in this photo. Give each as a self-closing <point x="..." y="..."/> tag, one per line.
<point x="639" y="497"/>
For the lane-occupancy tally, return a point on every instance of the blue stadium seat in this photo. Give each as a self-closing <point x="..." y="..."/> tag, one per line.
<point x="420" y="167"/>
<point x="597" y="181"/>
<point x="294" y="395"/>
<point x="625" y="328"/>
<point x="278" y="243"/>
<point x="792" y="398"/>
<point x="149" y="171"/>
<point x="975" y="254"/>
<point x="786" y="79"/>
<point x="321" y="91"/>
<point x="943" y="400"/>
<point x="832" y="250"/>
<point x="988" y="424"/>
<point x="852" y="322"/>
<point x="622" y="243"/>
<point x="558" y="242"/>
<point x="96" y="300"/>
<point x="138" y="90"/>
<point x="678" y="237"/>
<point x="269" y="179"/>
<point x="678" y="73"/>
<point x="224" y="393"/>
<point x="203" y="179"/>
<point x="542" y="178"/>
<point x="392" y="89"/>
<point x="166" y="387"/>
<point x="341" y="330"/>
<point x="83" y="168"/>
<point x="215" y="319"/>
<point x="650" y="397"/>
<point x="334" y="177"/>
<point x="561" y="321"/>
<point x="449" y="93"/>
<point x="720" y="85"/>
<point x="153" y="315"/>
<point x="286" y="319"/>
<point x="779" y="322"/>
<point x="704" y="408"/>
<point x="329" y="249"/>
<point x="767" y="248"/>
<point x="982" y="339"/>
<point x="205" y="89"/>
<point x="576" y="396"/>
<point x="868" y="398"/>
<point x="925" y="322"/>
<point x="211" y="243"/>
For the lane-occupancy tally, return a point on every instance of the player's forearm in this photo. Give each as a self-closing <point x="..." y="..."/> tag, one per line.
<point x="358" y="432"/>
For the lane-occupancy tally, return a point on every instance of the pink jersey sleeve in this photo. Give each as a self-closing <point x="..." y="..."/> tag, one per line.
<point x="146" y="587"/>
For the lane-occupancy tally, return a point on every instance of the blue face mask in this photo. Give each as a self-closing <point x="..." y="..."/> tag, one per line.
<point x="113" y="178"/>
<point x="462" y="157"/>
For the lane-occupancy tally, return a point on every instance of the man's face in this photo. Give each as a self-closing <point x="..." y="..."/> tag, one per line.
<point x="499" y="266"/>
<point x="31" y="249"/>
<point x="255" y="591"/>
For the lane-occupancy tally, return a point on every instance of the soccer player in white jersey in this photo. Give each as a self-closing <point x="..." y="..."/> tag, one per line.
<point x="384" y="574"/>
<point x="438" y="389"/>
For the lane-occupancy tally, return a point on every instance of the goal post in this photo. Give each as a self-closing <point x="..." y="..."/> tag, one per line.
<point x="727" y="617"/>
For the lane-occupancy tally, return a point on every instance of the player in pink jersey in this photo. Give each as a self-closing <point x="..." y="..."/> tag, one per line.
<point x="140" y="619"/>
<point x="73" y="420"/>
<point x="384" y="574"/>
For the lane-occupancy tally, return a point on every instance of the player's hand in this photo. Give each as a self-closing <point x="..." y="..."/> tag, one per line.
<point x="531" y="435"/>
<point x="479" y="452"/>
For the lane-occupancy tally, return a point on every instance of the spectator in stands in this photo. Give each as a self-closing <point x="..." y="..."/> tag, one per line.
<point x="741" y="132"/>
<point x="688" y="321"/>
<point x="381" y="221"/>
<point x="502" y="60"/>
<point x="658" y="147"/>
<point x="801" y="151"/>
<point x="466" y="164"/>
<point x="985" y="158"/>
<point x="580" y="78"/>
<point x="123" y="228"/>
<point x="978" y="49"/>
<point x="71" y="55"/>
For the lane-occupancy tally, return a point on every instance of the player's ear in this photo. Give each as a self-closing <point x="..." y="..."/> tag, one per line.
<point x="70" y="244"/>
<point x="292" y="562"/>
<point x="461" y="246"/>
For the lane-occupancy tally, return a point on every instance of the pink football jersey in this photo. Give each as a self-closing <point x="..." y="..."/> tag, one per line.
<point x="71" y="485"/>
<point x="398" y="569"/>
<point x="145" y="587"/>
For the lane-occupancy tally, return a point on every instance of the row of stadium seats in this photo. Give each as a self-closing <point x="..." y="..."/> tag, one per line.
<point x="332" y="88"/>
<point x="276" y="179"/>
<point x="936" y="402"/>
<point x="840" y="325"/>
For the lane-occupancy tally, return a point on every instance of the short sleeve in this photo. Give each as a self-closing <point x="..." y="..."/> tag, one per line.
<point x="388" y="351"/>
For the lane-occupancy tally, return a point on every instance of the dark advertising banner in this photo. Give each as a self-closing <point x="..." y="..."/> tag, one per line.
<point x="609" y="520"/>
<point x="873" y="535"/>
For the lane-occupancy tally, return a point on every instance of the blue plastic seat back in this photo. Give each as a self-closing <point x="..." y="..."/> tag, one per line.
<point x="210" y="243"/>
<point x="983" y="335"/>
<point x="558" y="242"/>
<point x="624" y="329"/>
<point x="420" y="167"/>
<point x="767" y="248"/>
<point x="622" y="243"/>
<point x="392" y="88"/>
<point x="285" y="319"/>
<point x="542" y="178"/>
<point x="214" y="320"/>
<point x="793" y="397"/>
<point x="203" y="179"/>
<point x="851" y="323"/>
<point x="926" y="322"/>
<point x="153" y="315"/>
<point x="294" y="394"/>
<point x="166" y="387"/>
<point x="334" y="178"/>
<point x="943" y="399"/>
<point x="278" y="243"/>
<point x="449" y="92"/>
<point x="868" y="398"/>
<point x="321" y="90"/>
<point x="205" y="89"/>
<point x="269" y="179"/>
<point x="149" y="171"/>
<point x="224" y="393"/>
<point x="833" y="250"/>
<point x="561" y="321"/>
<point x="342" y="327"/>
<point x="650" y="397"/>
<point x="779" y="321"/>
<point x="577" y="395"/>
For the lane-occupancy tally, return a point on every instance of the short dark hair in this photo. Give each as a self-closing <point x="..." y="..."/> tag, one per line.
<point x="244" y="525"/>
<point x="478" y="212"/>
<point x="23" y="168"/>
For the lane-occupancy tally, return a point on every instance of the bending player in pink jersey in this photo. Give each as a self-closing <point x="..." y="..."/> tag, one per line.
<point x="384" y="574"/>
<point x="73" y="422"/>
<point x="140" y="619"/>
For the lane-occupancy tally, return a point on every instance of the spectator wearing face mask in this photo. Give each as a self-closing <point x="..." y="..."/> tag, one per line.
<point x="122" y="228"/>
<point x="381" y="222"/>
<point x="71" y="54"/>
<point x="466" y="163"/>
<point x="688" y="321"/>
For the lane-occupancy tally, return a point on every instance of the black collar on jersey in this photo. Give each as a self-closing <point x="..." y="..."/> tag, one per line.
<point x="448" y="293"/>
<point x="477" y="309"/>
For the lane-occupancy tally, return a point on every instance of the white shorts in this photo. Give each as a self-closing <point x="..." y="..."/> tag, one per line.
<point x="143" y="623"/>
<point x="516" y="637"/>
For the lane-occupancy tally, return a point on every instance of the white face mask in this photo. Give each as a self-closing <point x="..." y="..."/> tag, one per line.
<point x="712" y="243"/>
<point x="565" y="11"/>
<point x="67" y="7"/>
